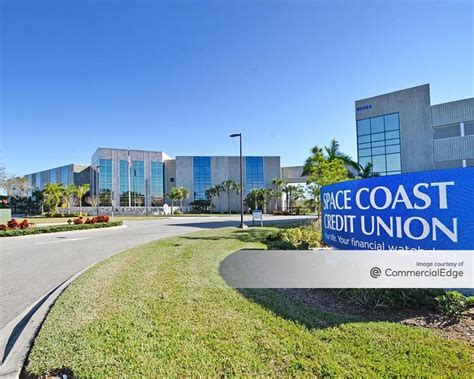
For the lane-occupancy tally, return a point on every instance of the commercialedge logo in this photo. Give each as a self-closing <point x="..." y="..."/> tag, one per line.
<point x="365" y="106"/>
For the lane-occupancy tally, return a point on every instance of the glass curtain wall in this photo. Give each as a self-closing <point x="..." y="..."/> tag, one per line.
<point x="378" y="142"/>
<point x="253" y="173"/>
<point x="156" y="183"/>
<point x="201" y="176"/>
<point x="105" y="182"/>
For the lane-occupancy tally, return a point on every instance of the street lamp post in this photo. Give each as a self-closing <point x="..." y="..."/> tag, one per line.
<point x="242" y="225"/>
<point x="97" y="188"/>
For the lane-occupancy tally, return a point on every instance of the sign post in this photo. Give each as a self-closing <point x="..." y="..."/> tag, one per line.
<point x="257" y="216"/>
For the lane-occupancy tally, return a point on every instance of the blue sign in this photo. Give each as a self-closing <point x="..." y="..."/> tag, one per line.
<point x="365" y="106"/>
<point x="422" y="210"/>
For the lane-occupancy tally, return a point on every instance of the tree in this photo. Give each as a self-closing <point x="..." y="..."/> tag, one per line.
<point x="175" y="194"/>
<point x="253" y="199"/>
<point x="279" y="184"/>
<point x="212" y="193"/>
<point x="184" y="195"/>
<point x="156" y="200"/>
<point x="228" y="186"/>
<point x="333" y="151"/>
<point x="323" y="170"/>
<point x="81" y="192"/>
<point x="367" y="171"/>
<point x="265" y="194"/>
<point x="17" y="187"/>
<point x="92" y="200"/>
<point x="293" y="193"/>
<point x="52" y="193"/>
<point x="3" y="175"/>
<point x="276" y="196"/>
<point x="71" y="191"/>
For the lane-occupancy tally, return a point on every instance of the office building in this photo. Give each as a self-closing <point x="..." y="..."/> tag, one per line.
<point x="402" y="132"/>
<point x="77" y="174"/>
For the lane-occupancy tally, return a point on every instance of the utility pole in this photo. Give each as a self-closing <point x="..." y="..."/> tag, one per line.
<point x="242" y="225"/>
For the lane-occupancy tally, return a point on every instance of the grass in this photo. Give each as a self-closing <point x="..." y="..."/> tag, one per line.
<point x="56" y="228"/>
<point x="162" y="309"/>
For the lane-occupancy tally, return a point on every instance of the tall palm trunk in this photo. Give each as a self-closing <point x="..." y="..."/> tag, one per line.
<point x="228" y="198"/>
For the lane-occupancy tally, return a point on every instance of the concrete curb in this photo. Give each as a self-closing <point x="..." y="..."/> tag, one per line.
<point x="17" y="337"/>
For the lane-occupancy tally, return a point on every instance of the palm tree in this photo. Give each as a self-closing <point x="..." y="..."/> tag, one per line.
<point x="265" y="195"/>
<point x="275" y="194"/>
<point x="175" y="194"/>
<point x="279" y="184"/>
<point x="71" y="191"/>
<point x="292" y="193"/>
<point x="228" y="186"/>
<point x="52" y="193"/>
<point x="367" y="171"/>
<point x="333" y="152"/>
<point x="213" y="192"/>
<point x="81" y="192"/>
<point x="184" y="195"/>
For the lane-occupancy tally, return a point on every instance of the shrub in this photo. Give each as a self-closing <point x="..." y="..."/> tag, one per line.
<point x="69" y="221"/>
<point x="469" y="301"/>
<point x="13" y="224"/>
<point x="301" y="238"/>
<point x="3" y="227"/>
<point x="78" y="221"/>
<point x="24" y="224"/>
<point x="453" y="304"/>
<point x="392" y="298"/>
<point x="281" y="213"/>
<point x="56" y="228"/>
<point x="102" y="218"/>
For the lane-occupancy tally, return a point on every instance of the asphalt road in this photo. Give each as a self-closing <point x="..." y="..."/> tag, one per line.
<point x="31" y="266"/>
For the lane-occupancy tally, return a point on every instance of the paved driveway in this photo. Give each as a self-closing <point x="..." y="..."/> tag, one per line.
<point x="31" y="266"/>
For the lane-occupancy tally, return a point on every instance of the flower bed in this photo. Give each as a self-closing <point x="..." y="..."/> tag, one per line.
<point x="13" y="228"/>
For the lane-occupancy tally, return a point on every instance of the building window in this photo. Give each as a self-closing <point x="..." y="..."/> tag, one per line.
<point x="201" y="176"/>
<point x="378" y="142"/>
<point x="447" y="131"/>
<point x="123" y="182"/>
<point x="469" y="128"/>
<point x="105" y="182"/>
<point x="156" y="183"/>
<point x="38" y="181"/>
<point x="137" y="173"/>
<point x="65" y="180"/>
<point x="253" y="173"/>
<point x="137" y="183"/>
<point x="52" y="175"/>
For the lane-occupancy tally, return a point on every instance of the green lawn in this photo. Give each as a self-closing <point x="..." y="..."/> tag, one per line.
<point x="162" y="309"/>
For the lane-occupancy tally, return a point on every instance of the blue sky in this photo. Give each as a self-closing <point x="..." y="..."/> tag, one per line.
<point x="180" y="76"/>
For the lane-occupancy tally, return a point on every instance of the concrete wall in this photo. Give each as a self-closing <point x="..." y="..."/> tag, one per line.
<point x="453" y="112"/>
<point x="416" y="133"/>
<point x="293" y="174"/>
<point x="116" y="155"/>
<point x="456" y="148"/>
<point x="170" y="174"/>
<point x="454" y="151"/>
<point x="223" y="168"/>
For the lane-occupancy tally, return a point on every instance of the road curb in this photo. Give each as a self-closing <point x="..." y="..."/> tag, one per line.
<point x="17" y="337"/>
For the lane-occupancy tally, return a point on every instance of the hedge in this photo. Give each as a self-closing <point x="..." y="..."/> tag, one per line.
<point x="56" y="228"/>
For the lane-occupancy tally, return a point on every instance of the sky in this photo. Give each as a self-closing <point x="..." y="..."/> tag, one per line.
<point x="180" y="76"/>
